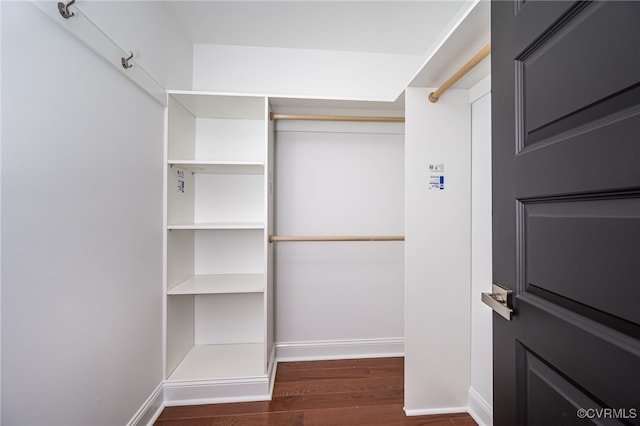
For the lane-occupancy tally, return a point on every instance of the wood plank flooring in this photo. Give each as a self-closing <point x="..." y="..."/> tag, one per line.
<point x="354" y="392"/>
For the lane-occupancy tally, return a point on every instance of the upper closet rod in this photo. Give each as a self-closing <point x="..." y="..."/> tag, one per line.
<point x="434" y="96"/>
<point x="315" y="117"/>
<point x="279" y="238"/>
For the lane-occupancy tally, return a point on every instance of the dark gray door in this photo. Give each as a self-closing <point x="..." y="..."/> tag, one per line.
<point x="566" y="211"/>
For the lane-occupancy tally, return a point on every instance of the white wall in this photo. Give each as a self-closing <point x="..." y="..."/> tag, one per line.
<point x="481" y="386"/>
<point x="333" y="300"/>
<point x="149" y="30"/>
<point x="339" y="299"/>
<point x="81" y="231"/>
<point x="437" y="253"/>
<point x="300" y="72"/>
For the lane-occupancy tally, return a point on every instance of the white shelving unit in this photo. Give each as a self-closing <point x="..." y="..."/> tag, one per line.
<point x="219" y="203"/>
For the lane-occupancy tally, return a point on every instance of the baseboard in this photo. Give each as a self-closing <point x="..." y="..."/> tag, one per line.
<point x="151" y="409"/>
<point x="216" y="391"/>
<point x="432" y="411"/>
<point x="479" y="409"/>
<point x="199" y="392"/>
<point x="172" y="393"/>
<point x="339" y="349"/>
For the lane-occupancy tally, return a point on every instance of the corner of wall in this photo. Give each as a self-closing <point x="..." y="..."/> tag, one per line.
<point x="481" y="387"/>
<point x="151" y="409"/>
<point x="480" y="409"/>
<point x="480" y="89"/>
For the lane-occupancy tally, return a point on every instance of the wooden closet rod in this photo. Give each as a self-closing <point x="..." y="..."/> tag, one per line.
<point x="434" y="96"/>
<point x="278" y="238"/>
<point x="314" y="117"/>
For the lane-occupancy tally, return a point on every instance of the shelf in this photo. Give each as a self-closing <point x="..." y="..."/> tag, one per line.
<point x="221" y="362"/>
<point x="220" y="284"/>
<point x="219" y="167"/>
<point x="217" y="225"/>
<point x="209" y="105"/>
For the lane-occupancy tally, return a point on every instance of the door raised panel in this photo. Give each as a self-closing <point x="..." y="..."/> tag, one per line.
<point x="554" y="82"/>
<point x="586" y="251"/>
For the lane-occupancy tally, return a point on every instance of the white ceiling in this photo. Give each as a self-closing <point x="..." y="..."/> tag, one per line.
<point x="391" y="27"/>
<point x="441" y="34"/>
<point x="469" y="37"/>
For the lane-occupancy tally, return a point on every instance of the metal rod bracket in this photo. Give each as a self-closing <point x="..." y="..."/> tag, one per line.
<point x="125" y="61"/>
<point x="64" y="9"/>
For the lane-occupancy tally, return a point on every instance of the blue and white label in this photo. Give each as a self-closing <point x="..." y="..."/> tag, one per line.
<point x="436" y="176"/>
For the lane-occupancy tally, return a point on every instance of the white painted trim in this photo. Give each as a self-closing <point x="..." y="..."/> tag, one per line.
<point x="169" y="394"/>
<point x="271" y="370"/>
<point x="483" y="87"/>
<point x="151" y="409"/>
<point x="479" y="409"/>
<point x="432" y="411"/>
<point x="216" y="391"/>
<point x="199" y="392"/>
<point x="339" y="349"/>
<point x="219" y="400"/>
<point x="165" y="191"/>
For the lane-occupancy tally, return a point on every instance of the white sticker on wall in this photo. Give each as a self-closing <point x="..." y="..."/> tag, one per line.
<point x="436" y="176"/>
<point x="181" y="186"/>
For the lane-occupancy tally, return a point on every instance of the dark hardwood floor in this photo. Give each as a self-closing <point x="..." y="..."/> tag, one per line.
<point x="320" y="393"/>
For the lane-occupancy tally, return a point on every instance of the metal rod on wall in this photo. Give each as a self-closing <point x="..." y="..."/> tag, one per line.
<point x="315" y="117"/>
<point x="278" y="238"/>
<point x="434" y="96"/>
